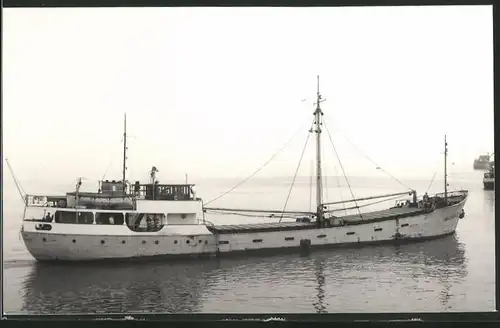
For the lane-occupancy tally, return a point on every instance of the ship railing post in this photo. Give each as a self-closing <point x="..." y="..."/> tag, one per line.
<point x="26" y="202"/>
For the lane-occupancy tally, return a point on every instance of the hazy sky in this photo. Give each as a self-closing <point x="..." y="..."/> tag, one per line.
<point x="214" y="92"/>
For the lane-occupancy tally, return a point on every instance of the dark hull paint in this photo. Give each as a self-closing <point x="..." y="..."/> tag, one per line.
<point x="481" y="165"/>
<point x="253" y="252"/>
<point x="489" y="185"/>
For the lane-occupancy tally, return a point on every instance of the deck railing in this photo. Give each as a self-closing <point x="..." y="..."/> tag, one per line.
<point x="454" y="193"/>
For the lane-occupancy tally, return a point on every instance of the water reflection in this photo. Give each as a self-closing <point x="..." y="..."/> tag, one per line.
<point x="319" y="282"/>
<point x="341" y="273"/>
<point x="489" y="197"/>
<point x="115" y="288"/>
<point x="319" y="305"/>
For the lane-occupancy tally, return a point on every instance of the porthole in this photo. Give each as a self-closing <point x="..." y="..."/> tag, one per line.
<point x="200" y="241"/>
<point x="143" y="241"/>
<point x="156" y="242"/>
<point x="175" y="241"/>
<point x="187" y="241"/>
<point x="102" y="241"/>
<point x="74" y="241"/>
<point x="206" y="242"/>
<point x="44" y="239"/>
<point x="123" y="241"/>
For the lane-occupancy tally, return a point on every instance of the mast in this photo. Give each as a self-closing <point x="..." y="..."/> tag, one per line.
<point x="124" y="151"/>
<point x="445" y="171"/>
<point x="318" y="113"/>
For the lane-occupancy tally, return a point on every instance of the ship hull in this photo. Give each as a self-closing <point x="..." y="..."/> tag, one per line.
<point x="51" y="246"/>
<point x="489" y="184"/>
<point x="481" y="165"/>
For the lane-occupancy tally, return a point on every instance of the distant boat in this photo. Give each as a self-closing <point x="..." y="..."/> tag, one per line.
<point x="482" y="162"/>
<point x="489" y="177"/>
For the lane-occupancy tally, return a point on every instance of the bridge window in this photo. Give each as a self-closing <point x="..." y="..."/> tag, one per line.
<point x="164" y="192"/>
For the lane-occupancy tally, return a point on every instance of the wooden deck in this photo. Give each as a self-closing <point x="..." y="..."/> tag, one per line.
<point x="383" y="214"/>
<point x="388" y="214"/>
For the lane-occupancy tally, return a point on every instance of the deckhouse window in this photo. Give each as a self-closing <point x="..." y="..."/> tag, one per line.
<point x="109" y="218"/>
<point x="65" y="217"/>
<point x="85" y="218"/>
<point x="145" y="222"/>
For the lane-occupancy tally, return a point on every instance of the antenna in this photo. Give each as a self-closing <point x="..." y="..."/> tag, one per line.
<point x="124" y="151"/>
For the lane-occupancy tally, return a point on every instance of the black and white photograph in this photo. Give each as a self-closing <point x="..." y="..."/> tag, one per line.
<point x="196" y="160"/>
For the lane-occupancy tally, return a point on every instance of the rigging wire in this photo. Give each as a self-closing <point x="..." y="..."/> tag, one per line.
<point x="342" y="167"/>
<point x="430" y="184"/>
<point x="324" y="177"/>
<point x="373" y="162"/>
<point x="111" y="161"/>
<point x="296" y="172"/>
<point x="248" y="215"/>
<point x="20" y="189"/>
<point x="433" y="176"/>
<point x="364" y="205"/>
<point x="258" y="170"/>
<point x="340" y="190"/>
<point x="311" y="170"/>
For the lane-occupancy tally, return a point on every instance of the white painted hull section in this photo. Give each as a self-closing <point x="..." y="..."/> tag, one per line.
<point x="422" y="226"/>
<point x="74" y="242"/>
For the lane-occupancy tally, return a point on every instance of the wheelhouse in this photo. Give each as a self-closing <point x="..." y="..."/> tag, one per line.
<point x="156" y="191"/>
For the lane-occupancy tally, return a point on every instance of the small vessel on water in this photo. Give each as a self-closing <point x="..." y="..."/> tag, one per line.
<point x="489" y="178"/>
<point x="482" y="162"/>
<point x="127" y="221"/>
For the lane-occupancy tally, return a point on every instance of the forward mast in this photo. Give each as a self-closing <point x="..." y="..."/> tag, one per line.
<point x="318" y="113"/>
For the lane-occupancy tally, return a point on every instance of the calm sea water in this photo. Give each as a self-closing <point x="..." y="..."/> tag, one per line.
<point x="455" y="273"/>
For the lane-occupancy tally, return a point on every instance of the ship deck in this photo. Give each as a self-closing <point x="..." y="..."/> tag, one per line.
<point x="388" y="214"/>
<point x="355" y="219"/>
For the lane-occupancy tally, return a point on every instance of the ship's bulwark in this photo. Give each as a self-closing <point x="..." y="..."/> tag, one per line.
<point x="198" y="241"/>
